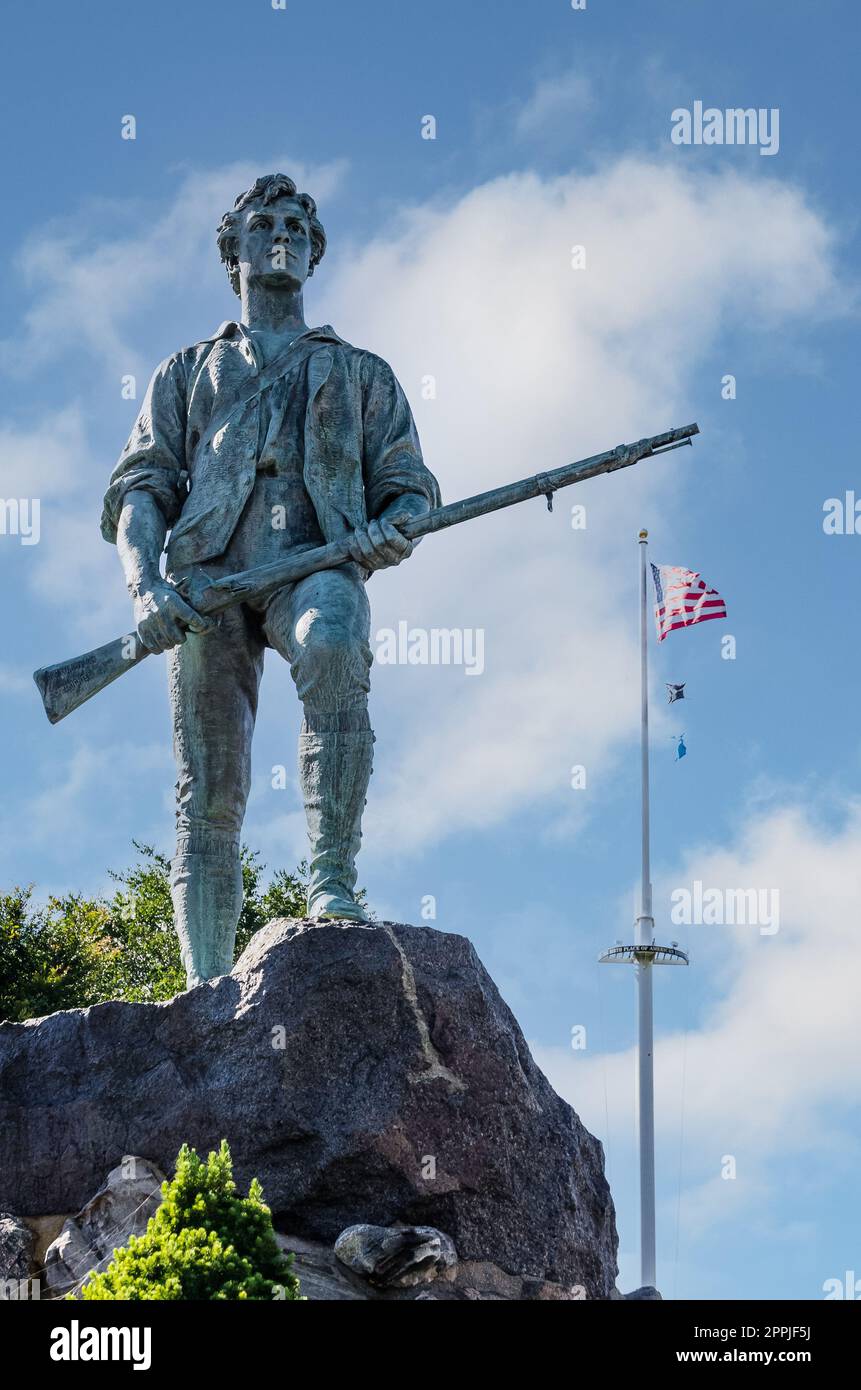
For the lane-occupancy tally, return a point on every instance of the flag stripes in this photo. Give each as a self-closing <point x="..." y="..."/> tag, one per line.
<point x="683" y="598"/>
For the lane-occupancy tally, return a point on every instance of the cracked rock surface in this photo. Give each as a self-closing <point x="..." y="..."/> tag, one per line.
<point x="367" y="1074"/>
<point x="129" y="1196"/>
<point x="16" y="1248"/>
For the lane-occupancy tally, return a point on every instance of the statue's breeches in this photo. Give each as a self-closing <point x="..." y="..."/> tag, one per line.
<point x="321" y="626"/>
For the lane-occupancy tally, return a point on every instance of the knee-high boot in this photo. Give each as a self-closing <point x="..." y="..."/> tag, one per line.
<point x="334" y="771"/>
<point x="206" y="888"/>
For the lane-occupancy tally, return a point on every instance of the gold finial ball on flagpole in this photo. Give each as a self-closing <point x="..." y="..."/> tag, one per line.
<point x="644" y="535"/>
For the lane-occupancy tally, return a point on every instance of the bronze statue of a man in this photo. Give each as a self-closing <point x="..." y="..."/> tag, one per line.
<point x="267" y="438"/>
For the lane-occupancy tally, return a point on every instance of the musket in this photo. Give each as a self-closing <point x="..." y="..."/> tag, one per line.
<point x="69" y="684"/>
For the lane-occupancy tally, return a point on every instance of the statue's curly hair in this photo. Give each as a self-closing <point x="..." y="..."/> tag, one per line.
<point x="266" y="190"/>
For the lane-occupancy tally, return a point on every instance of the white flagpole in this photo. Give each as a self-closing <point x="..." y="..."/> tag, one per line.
<point x="644" y="954"/>
<point x="645" y="936"/>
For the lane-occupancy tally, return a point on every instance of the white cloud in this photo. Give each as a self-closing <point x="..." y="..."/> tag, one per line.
<point x="773" y="1064"/>
<point x="535" y="364"/>
<point x="88" y="284"/>
<point x="44" y="459"/>
<point x="563" y="98"/>
<point x="14" y="682"/>
<point x="81" y="575"/>
<point x="50" y="816"/>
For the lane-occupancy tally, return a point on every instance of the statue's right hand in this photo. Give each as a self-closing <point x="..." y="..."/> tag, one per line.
<point x="164" y="619"/>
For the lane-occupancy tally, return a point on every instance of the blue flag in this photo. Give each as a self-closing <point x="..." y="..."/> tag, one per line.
<point x="681" y="749"/>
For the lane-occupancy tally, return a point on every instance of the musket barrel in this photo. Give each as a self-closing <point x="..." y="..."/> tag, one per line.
<point x="69" y="684"/>
<point x="264" y="579"/>
<point x="542" y="484"/>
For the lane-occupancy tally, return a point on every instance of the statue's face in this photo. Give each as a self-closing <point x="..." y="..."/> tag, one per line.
<point x="275" y="244"/>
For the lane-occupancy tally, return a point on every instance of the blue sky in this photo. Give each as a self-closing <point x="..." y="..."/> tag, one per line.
<point x="452" y="259"/>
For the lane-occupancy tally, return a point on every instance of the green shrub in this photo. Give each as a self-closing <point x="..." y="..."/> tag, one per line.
<point x="203" y="1243"/>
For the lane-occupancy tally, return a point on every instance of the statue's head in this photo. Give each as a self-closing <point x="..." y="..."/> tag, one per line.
<point x="273" y="235"/>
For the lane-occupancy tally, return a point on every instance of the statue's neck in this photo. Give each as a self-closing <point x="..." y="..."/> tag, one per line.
<point x="279" y="312"/>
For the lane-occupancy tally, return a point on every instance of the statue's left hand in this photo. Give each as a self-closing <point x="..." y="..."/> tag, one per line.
<point x="382" y="544"/>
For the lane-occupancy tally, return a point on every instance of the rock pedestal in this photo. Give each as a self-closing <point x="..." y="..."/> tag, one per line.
<point x="17" y="1247"/>
<point x="122" y="1207"/>
<point x="365" y="1073"/>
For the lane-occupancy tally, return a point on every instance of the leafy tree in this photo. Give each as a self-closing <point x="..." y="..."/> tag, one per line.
<point x="52" y="957"/>
<point x="76" y="951"/>
<point x="203" y="1243"/>
<point x="147" y="966"/>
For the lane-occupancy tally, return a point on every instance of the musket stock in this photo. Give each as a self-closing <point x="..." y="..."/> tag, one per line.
<point x="69" y="684"/>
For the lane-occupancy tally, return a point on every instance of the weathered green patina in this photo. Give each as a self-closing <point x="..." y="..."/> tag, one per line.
<point x="267" y="439"/>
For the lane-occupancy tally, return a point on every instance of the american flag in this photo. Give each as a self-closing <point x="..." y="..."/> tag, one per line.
<point x="683" y="598"/>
